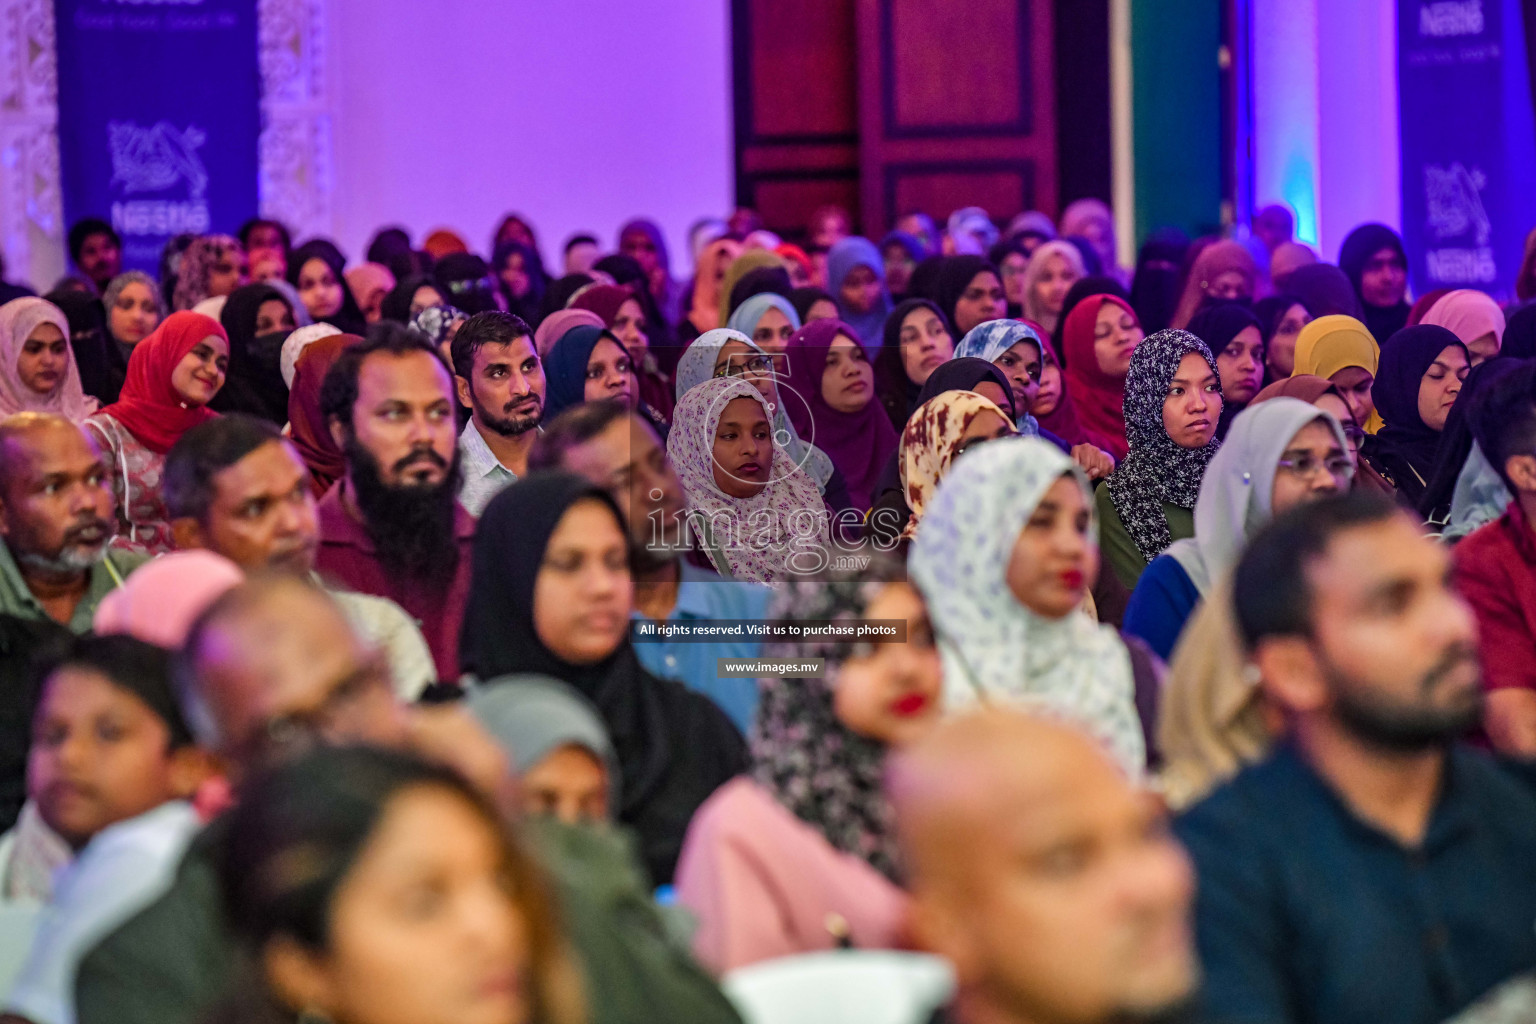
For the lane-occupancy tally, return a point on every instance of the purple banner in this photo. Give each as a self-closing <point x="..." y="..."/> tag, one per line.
<point x="1468" y="142"/>
<point x="159" y="114"/>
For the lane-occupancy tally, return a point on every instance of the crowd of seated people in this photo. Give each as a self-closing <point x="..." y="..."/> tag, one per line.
<point x="454" y="637"/>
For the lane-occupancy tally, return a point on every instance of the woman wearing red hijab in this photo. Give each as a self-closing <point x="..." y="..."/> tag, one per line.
<point x="1097" y="342"/>
<point x="172" y="376"/>
<point x="306" y="423"/>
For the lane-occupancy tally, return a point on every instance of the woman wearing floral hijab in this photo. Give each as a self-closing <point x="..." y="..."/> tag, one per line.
<point x="807" y="836"/>
<point x="37" y="364"/>
<point x="758" y="516"/>
<point x="728" y="352"/>
<point x="1004" y="557"/>
<point x="939" y="432"/>
<point x="1172" y="406"/>
<point x="212" y="266"/>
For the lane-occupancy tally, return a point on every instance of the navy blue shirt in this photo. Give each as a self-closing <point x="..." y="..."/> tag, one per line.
<point x="1161" y="605"/>
<point x="1307" y="913"/>
<point x="702" y="594"/>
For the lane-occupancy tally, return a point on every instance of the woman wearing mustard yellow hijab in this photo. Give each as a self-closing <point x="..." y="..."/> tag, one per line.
<point x="1341" y="350"/>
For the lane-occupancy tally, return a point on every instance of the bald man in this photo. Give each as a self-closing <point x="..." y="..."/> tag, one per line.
<point x="273" y="668"/>
<point x="56" y="523"/>
<point x="1047" y="879"/>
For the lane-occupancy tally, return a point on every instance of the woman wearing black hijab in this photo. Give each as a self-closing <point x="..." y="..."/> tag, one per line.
<point x="929" y="340"/>
<point x="1236" y="338"/>
<point x="409" y="297"/>
<point x="1417" y="382"/>
<point x="327" y="295"/>
<point x="521" y="277"/>
<point x="551" y="595"/>
<point x="969" y="290"/>
<point x="1456" y="439"/>
<point x="1374" y="261"/>
<point x="258" y="319"/>
<point x="102" y="364"/>
<point x="1155" y="288"/>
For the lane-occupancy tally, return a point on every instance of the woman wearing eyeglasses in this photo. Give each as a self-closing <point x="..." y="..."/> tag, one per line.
<point x="726" y="352"/>
<point x="1280" y="453"/>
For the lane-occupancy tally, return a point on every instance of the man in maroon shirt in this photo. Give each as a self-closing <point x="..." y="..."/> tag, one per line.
<point x="393" y="525"/>
<point x="1496" y="565"/>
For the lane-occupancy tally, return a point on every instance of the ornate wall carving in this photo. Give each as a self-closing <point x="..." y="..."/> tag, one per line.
<point x="296" y="174"/>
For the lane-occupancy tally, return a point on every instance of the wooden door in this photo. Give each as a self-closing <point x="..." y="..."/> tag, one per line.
<point x="797" y="127"/>
<point x="956" y="108"/>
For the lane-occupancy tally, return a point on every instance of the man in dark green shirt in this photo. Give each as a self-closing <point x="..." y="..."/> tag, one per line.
<point x="56" y="522"/>
<point x="273" y="667"/>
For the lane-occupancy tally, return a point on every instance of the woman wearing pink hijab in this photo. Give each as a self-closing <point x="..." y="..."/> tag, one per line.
<point x="161" y="600"/>
<point x="1474" y="318"/>
<point x="37" y="366"/>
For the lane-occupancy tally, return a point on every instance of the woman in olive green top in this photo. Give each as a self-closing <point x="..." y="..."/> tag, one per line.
<point x="1172" y="405"/>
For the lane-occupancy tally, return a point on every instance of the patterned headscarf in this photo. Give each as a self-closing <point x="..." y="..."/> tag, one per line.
<point x="815" y="766"/>
<point x="734" y="529"/>
<point x="990" y="340"/>
<point x="18" y="319"/>
<point x="698" y="365"/>
<point x="297" y="342"/>
<point x="433" y="322"/>
<point x="928" y="445"/>
<point x="994" y="648"/>
<point x="197" y="264"/>
<point x="1158" y="469"/>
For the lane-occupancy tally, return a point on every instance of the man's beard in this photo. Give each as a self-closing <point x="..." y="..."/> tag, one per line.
<point x="1405" y="728"/>
<point x="1183" y="1011"/>
<point x="75" y="554"/>
<point x="411" y="525"/>
<point x="506" y="424"/>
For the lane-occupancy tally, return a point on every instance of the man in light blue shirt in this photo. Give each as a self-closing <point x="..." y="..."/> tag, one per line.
<point x="613" y="448"/>
<point x="501" y="382"/>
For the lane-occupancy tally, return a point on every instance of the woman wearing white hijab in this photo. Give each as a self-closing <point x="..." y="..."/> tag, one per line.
<point x="1278" y="454"/>
<point x="1005" y="556"/>
<point x="727" y="352"/>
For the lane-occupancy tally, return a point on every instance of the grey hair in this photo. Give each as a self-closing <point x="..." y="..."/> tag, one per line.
<point x="117" y="284"/>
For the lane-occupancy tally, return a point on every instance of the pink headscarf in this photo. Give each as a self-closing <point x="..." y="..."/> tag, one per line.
<point x="368" y="281"/>
<point x="159" y="602"/>
<point x="558" y="323"/>
<point x="18" y="319"/>
<point x="1466" y="312"/>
